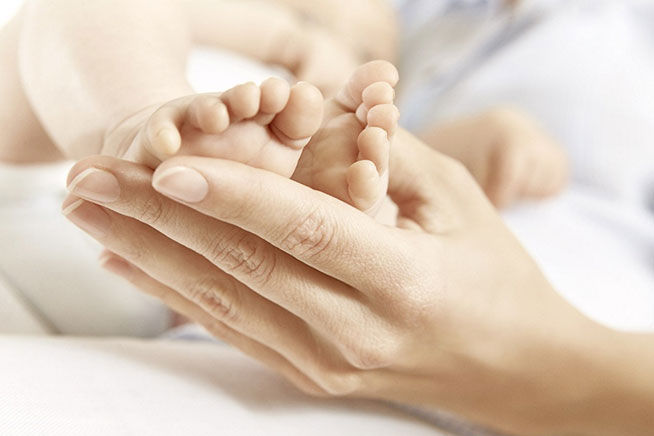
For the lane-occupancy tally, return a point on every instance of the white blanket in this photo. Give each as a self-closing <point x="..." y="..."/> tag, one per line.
<point x="129" y="387"/>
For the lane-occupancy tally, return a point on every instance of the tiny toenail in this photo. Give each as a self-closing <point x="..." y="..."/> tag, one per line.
<point x="95" y="185"/>
<point x="89" y="217"/>
<point x="181" y="183"/>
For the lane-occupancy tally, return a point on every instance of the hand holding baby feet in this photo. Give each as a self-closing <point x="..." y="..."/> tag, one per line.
<point x="348" y="157"/>
<point x="263" y="126"/>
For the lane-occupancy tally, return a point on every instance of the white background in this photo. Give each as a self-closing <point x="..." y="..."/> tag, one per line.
<point x="7" y="9"/>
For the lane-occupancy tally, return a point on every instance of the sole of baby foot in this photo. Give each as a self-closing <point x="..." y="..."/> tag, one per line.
<point x="349" y="157"/>
<point x="265" y="126"/>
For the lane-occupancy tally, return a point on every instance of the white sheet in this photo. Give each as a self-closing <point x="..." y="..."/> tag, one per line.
<point x="129" y="387"/>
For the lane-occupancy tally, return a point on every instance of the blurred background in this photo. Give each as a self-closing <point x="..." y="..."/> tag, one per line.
<point x="7" y="9"/>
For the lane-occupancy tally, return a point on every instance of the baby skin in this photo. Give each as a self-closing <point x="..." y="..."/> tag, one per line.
<point x="340" y="146"/>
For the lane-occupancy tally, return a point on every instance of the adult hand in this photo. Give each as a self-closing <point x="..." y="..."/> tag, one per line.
<point x="510" y="156"/>
<point x="445" y="310"/>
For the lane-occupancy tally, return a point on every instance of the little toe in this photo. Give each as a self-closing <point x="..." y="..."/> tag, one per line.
<point x="384" y="116"/>
<point x="301" y="117"/>
<point x="378" y="93"/>
<point x="374" y="146"/>
<point x="363" y="184"/>
<point x="209" y="114"/>
<point x="351" y="95"/>
<point x="362" y="113"/>
<point x="242" y="101"/>
<point x="162" y="129"/>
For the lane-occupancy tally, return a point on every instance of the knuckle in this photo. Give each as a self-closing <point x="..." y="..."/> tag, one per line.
<point x="244" y="255"/>
<point x="372" y="354"/>
<point x="152" y="212"/>
<point x="217" y="297"/>
<point x="411" y="298"/>
<point x="310" y="236"/>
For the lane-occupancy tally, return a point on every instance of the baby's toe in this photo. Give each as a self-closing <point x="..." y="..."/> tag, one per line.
<point x="374" y="146"/>
<point x="384" y="116"/>
<point x="351" y="95"/>
<point x="274" y="97"/>
<point x="301" y="117"/>
<point x="275" y="93"/>
<point x="378" y="93"/>
<point x="209" y="114"/>
<point x="364" y="185"/>
<point x="162" y="129"/>
<point x="242" y="101"/>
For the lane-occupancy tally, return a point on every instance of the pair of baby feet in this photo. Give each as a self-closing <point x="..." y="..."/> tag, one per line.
<point x="340" y="147"/>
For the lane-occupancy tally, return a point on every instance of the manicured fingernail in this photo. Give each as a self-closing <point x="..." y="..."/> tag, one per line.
<point x="88" y="216"/>
<point x="181" y="183"/>
<point x="96" y="185"/>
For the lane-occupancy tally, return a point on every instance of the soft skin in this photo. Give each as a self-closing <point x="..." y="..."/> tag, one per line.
<point x="100" y="57"/>
<point x="445" y="310"/>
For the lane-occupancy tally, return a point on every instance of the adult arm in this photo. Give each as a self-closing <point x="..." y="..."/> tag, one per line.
<point x="446" y="310"/>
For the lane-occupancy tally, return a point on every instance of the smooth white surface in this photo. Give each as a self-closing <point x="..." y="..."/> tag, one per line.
<point x="7" y="10"/>
<point x="128" y="387"/>
<point x="53" y="267"/>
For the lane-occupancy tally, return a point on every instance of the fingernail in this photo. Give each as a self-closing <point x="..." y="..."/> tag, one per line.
<point x="181" y="183"/>
<point x="88" y="216"/>
<point x="96" y="185"/>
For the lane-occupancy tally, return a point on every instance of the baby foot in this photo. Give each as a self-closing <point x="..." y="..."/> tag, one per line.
<point x="348" y="157"/>
<point x="263" y="126"/>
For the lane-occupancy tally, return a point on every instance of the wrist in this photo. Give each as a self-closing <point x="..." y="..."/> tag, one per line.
<point x="620" y="398"/>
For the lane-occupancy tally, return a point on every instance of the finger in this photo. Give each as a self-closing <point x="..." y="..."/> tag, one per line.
<point x="221" y="296"/>
<point x="179" y="303"/>
<point x="125" y="188"/>
<point x="311" y="226"/>
<point x="507" y="175"/>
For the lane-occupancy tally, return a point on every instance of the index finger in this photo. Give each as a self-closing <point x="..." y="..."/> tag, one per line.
<point x="317" y="229"/>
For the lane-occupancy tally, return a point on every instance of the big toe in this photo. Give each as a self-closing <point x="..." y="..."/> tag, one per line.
<point x="302" y="116"/>
<point x="367" y="74"/>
